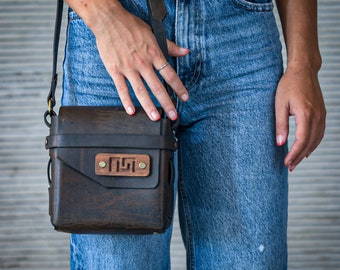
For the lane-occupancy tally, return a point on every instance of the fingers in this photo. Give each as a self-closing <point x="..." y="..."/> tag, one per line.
<point x="282" y="123"/>
<point x="165" y="70"/>
<point x="140" y="91"/>
<point x="144" y="97"/>
<point x="308" y="135"/>
<point x="169" y="74"/>
<point x="299" y="148"/>
<point x="175" y="50"/>
<point x="123" y="92"/>
<point x="160" y="93"/>
<point x="148" y="72"/>
<point x="310" y="128"/>
<point x="151" y="79"/>
<point x="172" y="79"/>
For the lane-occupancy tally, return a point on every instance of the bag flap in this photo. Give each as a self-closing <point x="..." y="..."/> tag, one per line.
<point x="106" y="120"/>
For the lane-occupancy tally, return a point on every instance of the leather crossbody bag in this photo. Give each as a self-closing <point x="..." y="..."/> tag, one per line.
<point x="110" y="173"/>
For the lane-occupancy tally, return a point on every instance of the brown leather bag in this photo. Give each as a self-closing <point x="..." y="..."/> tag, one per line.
<point x="109" y="172"/>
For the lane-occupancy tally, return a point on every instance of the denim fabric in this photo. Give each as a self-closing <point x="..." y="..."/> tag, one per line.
<point x="232" y="183"/>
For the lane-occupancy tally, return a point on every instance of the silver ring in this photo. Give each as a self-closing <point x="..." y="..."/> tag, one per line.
<point x="163" y="67"/>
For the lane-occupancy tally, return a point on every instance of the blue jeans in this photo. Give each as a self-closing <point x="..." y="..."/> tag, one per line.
<point x="232" y="183"/>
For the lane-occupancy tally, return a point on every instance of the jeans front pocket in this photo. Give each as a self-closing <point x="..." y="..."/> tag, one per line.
<point x="255" y="5"/>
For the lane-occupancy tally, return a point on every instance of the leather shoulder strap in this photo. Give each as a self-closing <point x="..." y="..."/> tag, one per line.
<point x="157" y="13"/>
<point x="51" y="102"/>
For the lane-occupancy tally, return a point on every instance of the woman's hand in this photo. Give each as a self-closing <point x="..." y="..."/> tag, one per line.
<point x="129" y="51"/>
<point x="299" y="94"/>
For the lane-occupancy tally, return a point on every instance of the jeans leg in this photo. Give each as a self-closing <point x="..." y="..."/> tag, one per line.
<point x="233" y="192"/>
<point x="232" y="180"/>
<point x="120" y="252"/>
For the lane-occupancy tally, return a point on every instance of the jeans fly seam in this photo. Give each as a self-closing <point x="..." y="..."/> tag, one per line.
<point x="198" y="55"/>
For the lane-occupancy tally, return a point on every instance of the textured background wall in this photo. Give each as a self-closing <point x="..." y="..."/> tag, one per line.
<point x="27" y="241"/>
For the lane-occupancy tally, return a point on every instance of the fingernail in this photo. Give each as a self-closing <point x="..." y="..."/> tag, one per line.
<point x="292" y="168"/>
<point x="185" y="97"/>
<point x="184" y="50"/>
<point x="130" y="110"/>
<point x="172" y="115"/>
<point x="154" y="115"/>
<point x="279" y="140"/>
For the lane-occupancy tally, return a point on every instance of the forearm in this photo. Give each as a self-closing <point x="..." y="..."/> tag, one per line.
<point x="299" y="23"/>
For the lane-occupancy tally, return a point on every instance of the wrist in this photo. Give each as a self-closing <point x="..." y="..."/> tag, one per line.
<point x="96" y="14"/>
<point x="303" y="61"/>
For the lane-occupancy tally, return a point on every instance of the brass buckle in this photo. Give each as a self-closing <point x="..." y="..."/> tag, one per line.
<point x="118" y="164"/>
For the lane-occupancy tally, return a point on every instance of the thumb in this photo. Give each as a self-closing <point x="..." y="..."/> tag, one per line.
<point x="282" y="123"/>
<point x="175" y="50"/>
